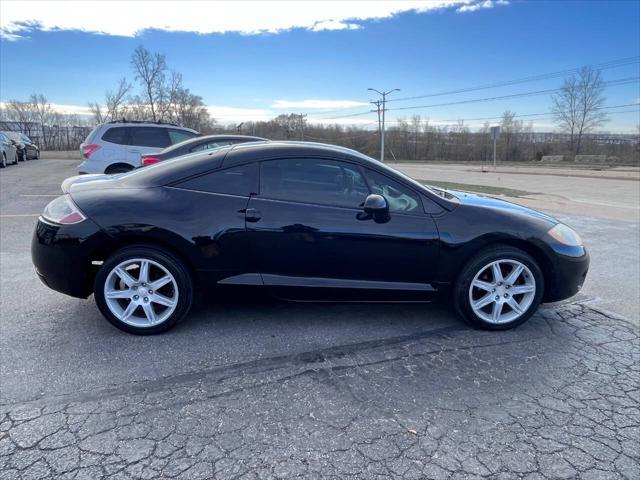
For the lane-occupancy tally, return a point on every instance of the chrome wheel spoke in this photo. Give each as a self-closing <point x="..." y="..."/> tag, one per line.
<point x="497" y="273"/>
<point x="149" y="313"/>
<point x="486" y="286"/>
<point x="515" y="273"/>
<point x="515" y="306"/>
<point x="161" y="282"/>
<point x="128" y="311"/>
<point x="162" y="300"/>
<point x="143" y="276"/>
<point x="118" y="293"/>
<point x="125" y="276"/>
<point x="483" y="302"/>
<point x="518" y="289"/>
<point x="496" y="312"/>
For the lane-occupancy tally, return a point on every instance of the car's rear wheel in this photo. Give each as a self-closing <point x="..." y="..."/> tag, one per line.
<point x="3" y="161"/>
<point x="498" y="289"/>
<point x="143" y="290"/>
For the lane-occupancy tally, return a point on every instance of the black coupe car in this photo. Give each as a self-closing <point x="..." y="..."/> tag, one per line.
<point x="304" y="220"/>
<point x="196" y="144"/>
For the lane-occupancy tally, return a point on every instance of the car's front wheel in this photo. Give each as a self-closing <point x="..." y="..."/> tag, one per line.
<point x="3" y="161"/>
<point x="500" y="288"/>
<point x="143" y="290"/>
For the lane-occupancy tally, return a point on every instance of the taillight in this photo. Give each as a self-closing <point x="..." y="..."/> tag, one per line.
<point x="87" y="150"/>
<point x="149" y="161"/>
<point x="63" y="210"/>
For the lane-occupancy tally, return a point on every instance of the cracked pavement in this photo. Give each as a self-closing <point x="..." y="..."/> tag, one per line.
<point x="558" y="397"/>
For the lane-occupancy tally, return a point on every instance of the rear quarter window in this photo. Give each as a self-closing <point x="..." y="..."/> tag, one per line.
<point x="178" y="136"/>
<point x="119" y="135"/>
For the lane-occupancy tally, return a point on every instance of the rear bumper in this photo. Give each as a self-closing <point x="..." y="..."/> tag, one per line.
<point x="568" y="277"/>
<point x="61" y="255"/>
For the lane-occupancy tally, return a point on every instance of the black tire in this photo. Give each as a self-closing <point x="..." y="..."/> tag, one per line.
<point x="461" y="289"/>
<point x="3" y="161"/>
<point x="37" y="157"/>
<point x="112" y="170"/>
<point x="22" y="156"/>
<point x="172" y="264"/>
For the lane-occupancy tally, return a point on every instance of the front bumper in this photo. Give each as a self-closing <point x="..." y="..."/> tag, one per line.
<point x="568" y="276"/>
<point x="62" y="255"/>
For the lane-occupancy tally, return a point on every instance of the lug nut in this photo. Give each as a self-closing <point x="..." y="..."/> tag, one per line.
<point x="506" y="295"/>
<point x="146" y="299"/>
<point x="508" y="286"/>
<point x="136" y="297"/>
<point x="493" y="290"/>
<point x="150" y="292"/>
<point x="497" y="297"/>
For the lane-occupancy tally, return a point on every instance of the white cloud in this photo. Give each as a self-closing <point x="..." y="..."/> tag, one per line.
<point x="250" y="17"/>
<point x="317" y="104"/>
<point x="474" y="5"/>
<point x="225" y="114"/>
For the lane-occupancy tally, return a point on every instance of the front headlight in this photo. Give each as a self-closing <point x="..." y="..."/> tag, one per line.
<point x="565" y="235"/>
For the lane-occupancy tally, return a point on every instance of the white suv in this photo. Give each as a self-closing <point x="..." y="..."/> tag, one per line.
<point x="115" y="147"/>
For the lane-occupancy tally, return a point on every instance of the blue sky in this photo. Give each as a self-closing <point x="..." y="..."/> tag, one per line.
<point x="259" y="61"/>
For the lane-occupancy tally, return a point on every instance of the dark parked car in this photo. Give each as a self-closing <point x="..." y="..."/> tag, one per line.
<point x="27" y="150"/>
<point x="306" y="220"/>
<point x="196" y="144"/>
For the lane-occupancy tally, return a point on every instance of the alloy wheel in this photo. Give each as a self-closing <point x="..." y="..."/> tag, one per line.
<point x="502" y="291"/>
<point x="141" y="292"/>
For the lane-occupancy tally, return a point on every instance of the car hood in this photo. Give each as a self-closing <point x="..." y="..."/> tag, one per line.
<point x="485" y="202"/>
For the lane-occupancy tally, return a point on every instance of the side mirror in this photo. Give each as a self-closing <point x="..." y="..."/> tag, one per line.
<point x="375" y="204"/>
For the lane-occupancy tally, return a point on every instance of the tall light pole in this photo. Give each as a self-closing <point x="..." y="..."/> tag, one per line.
<point x="384" y="99"/>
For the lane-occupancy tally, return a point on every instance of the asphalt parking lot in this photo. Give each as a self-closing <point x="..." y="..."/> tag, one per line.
<point x="276" y="390"/>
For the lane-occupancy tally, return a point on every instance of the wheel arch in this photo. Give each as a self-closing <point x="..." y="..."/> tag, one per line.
<point x="114" y="166"/>
<point x="107" y="249"/>
<point x="530" y="247"/>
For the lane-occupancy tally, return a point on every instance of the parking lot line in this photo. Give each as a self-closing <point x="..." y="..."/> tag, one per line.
<point x="20" y="215"/>
<point x="40" y="195"/>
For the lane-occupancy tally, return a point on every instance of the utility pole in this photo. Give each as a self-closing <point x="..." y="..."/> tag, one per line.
<point x="384" y="100"/>
<point x="302" y="119"/>
<point x="378" y="104"/>
<point x="495" y="131"/>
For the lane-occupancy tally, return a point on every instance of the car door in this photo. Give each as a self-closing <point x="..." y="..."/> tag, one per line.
<point x="306" y="227"/>
<point x="216" y="222"/>
<point x="145" y="140"/>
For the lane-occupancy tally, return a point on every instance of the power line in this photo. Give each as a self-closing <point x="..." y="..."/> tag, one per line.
<point x="544" y="76"/>
<point x="619" y="81"/>
<point x="521" y="115"/>
<point x="533" y="78"/>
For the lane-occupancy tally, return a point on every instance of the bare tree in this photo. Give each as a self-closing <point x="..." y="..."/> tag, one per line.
<point x="150" y="71"/>
<point x="43" y="114"/>
<point x="115" y="100"/>
<point x="22" y="114"/>
<point x="578" y="107"/>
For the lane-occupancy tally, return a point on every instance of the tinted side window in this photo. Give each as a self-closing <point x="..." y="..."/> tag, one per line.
<point x="119" y="135"/>
<point x="241" y="180"/>
<point x="399" y="197"/>
<point x="177" y="136"/>
<point x="149" y="137"/>
<point x="325" y="182"/>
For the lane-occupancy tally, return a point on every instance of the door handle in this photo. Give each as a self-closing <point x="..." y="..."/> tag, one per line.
<point x="252" y="215"/>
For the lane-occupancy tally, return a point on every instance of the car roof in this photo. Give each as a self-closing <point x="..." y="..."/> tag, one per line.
<point x="179" y="168"/>
<point x="133" y="123"/>
<point x="205" y="138"/>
